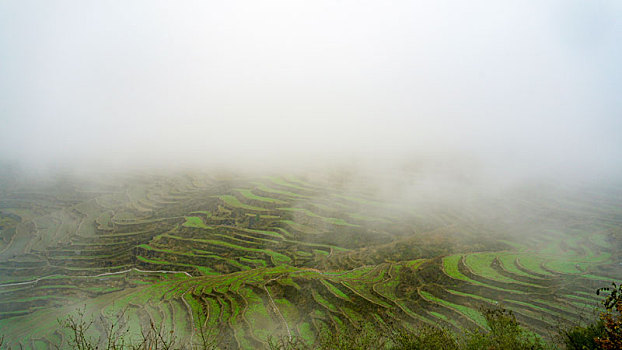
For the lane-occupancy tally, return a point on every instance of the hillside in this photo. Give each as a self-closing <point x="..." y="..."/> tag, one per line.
<point x="254" y="256"/>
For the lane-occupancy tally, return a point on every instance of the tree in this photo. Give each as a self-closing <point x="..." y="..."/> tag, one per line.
<point x="612" y="337"/>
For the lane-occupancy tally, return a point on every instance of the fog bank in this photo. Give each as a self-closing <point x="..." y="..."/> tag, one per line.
<point x="530" y="86"/>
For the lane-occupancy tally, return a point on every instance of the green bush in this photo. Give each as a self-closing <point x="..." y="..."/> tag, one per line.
<point x="426" y="337"/>
<point x="364" y="336"/>
<point x="606" y="333"/>
<point x="504" y="334"/>
<point x="583" y="337"/>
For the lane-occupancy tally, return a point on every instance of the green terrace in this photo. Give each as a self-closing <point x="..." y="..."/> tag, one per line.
<point x="274" y="255"/>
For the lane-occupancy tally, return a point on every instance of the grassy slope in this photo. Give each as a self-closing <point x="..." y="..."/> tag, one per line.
<point x="282" y="260"/>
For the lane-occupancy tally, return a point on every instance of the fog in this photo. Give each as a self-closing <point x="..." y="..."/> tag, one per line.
<point x="528" y="87"/>
<point x="143" y="135"/>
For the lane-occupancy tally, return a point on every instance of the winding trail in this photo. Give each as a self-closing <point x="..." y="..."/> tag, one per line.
<point x="289" y="333"/>
<point x="95" y="276"/>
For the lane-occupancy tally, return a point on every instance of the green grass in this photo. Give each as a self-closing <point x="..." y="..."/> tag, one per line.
<point x="204" y="212"/>
<point x="540" y="309"/>
<point x="473" y="296"/>
<point x="276" y="257"/>
<point x="533" y="263"/>
<point x="322" y="301"/>
<point x="288" y="310"/>
<point x="306" y="332"/>
<point x="450" y="266"/>
<point x="414" y="264"/>
<point x="281" y="182"/>
<point x="214" y="312"/>
<point x="470" y="313"/>
<point x="320" y="252"/>
<point x="255" y="262"/>
<point x="590" y="301"/>
<point x="516" y="245"/>
<point x="360" y="200"/>
<point x="607" y="280"/>
<point x="235" y="307"/>
<point x="335" y="291"/>
<point x="357" y="216"/>
<point x="507" y="261"/>
<point x="309" y="213"/>
<point x="564" y="266"/>
<point x="255" y="303"/>
<point x="245" y="239"/>
<point x="480" y="264"/>
<point x="292" y="178"/>
<point x="267" y="189"/>
<point x="218" y="257"/>
<point x="386" y="289"/>
<point x="264" y="233"/>
<point x="361" y="289"/>
<point x="318" y="245"/>
<point x="420" y="318"/>
<point x="442" y="317"/>
<point x="300" y="227"/>
<point x="248" y="194"/>
<point x="235" y="202"/>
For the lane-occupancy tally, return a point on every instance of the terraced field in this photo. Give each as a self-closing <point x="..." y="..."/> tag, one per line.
<point x="253" y="257"/>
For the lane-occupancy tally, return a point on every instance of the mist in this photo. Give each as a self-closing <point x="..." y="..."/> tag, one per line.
<point x="528" y="86"/>
<point x="339" y="160"/>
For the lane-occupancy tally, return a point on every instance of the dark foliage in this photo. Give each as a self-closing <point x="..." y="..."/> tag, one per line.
<point x="504" y="334"/>
<point x="426" y="337"/>
<point x="580" y="338"/>
<point x="612" y="320"/>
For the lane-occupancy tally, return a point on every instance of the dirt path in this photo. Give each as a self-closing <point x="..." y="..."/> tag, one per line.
<point x="95" y="276"/>
<point x="289" y="333"/>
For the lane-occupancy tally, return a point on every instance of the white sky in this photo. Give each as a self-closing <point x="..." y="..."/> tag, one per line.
<point x="197" y="80"/>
